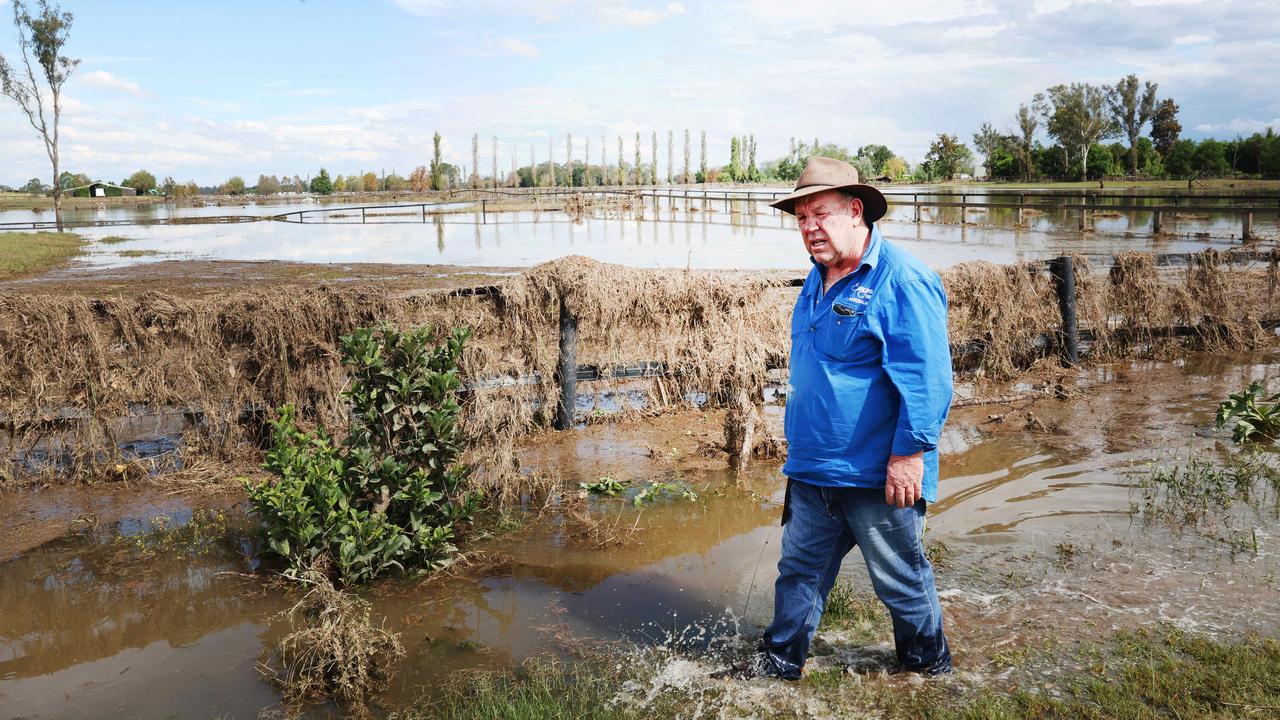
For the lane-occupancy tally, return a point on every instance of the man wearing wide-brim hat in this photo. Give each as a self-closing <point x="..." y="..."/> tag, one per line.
<point x="870" y="386"/>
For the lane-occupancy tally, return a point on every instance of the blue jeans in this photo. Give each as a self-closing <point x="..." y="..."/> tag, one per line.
<point x="820" y="526"/>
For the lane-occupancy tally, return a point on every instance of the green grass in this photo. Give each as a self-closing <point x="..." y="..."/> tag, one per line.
<point x="31" y="253"/>
<point x="114" y="240"/>
<point x="137" y="253"/>
<point x="1161" y="673"/>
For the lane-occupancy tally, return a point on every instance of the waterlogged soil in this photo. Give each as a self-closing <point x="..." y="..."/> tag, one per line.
<point x="150" y="608"/>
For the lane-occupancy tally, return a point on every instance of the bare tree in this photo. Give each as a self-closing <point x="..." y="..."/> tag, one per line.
<point x="1131" y="108"/>
<point x="41" y="36"/>
<point x="685" y="177"/>
<point x="495" y="161"/>
<point x="622" y="173"/>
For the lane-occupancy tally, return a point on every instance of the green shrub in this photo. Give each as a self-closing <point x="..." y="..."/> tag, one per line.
<point x="389" y="494"/>
<point x="1256" y="416"/>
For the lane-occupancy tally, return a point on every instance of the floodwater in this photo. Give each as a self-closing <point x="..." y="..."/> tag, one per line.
<point x="150" y="613"/>
<point x="711" y="234"/>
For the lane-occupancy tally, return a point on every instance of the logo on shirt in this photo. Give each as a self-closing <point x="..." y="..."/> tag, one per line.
<point x="861" y="294"/>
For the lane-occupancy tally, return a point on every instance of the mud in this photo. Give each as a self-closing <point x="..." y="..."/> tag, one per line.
<point x="1039" y="552"/>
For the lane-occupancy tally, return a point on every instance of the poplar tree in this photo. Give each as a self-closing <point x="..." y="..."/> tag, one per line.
<point x="702" y="161"/>
<point x="551" y="160"/>
<point x="475" y="160"/>
<point x="437" y="165"/>
<point x="636" y="173"/>
<point x="735" y="160"/>
<point x="515" y="174"/>
<point x="568" y="157"/>
<point x="604" y="162"/>
<point x="753" y="174"/>
<point x="653" y="158"/>
<point x="587" y="180"/>
<point x="685" y="178"/>
<point x="495" y="162"/>
<point x="671" y="153"/>
<point x="534" y="179"/>
<point x="622" y="173"/>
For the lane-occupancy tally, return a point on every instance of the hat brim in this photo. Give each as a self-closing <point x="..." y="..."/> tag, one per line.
<point x="874" y="205"/>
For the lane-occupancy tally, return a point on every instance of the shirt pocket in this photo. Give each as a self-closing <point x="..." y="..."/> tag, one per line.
<point x="838" y="334"/>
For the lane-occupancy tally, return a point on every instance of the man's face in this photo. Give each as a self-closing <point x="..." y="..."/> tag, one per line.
<point x="828" y="223"/>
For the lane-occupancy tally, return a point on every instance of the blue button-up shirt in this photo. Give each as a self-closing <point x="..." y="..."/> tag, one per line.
<point x="870" y="372"/>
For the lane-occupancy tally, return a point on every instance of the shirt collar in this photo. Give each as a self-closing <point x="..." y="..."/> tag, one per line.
<point x="871" y="257"/>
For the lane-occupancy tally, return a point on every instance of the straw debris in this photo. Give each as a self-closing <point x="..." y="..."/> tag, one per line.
<point x="334" y="652"/>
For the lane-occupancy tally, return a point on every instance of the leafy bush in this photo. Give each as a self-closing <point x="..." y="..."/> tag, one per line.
<point x="1256" y="417"/>
<point x="388" y="495"/>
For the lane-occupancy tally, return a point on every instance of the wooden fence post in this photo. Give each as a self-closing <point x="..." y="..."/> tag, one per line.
<point x="567" y="369"/>
<point x="1246" y="229"/>
<point x="1063" y="273"/>
<point x="1157" y="222"/>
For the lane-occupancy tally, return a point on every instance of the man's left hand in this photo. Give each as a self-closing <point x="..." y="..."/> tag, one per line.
<point x="903" y="478"/>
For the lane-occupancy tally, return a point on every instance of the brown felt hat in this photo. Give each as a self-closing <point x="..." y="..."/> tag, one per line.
<point x="823" y="173"/>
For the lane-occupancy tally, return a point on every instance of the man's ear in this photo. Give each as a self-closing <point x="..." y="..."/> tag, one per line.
<point x="855" y="205"/>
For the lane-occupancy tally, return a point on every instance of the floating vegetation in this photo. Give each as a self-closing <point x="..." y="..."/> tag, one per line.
<point x="334" y="652"/>
<point x="658" y="489"/>
<point x="606" y="486"/>
<point x="113" y="240"/>
<point x="1252" y="415"/>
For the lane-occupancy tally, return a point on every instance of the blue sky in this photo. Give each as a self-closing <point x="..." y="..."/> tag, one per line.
<point x="205" y="90"/>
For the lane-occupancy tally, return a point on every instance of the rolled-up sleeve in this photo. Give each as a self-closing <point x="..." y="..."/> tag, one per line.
<point x="917" y="359"/>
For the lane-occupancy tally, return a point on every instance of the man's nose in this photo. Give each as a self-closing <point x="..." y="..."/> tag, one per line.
<point x="808" y="223"/>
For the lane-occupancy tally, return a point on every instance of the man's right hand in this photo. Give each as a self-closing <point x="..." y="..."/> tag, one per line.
<point x="903" y="479"/>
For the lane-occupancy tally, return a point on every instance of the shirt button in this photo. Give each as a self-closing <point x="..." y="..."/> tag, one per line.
<point x="813" y="328"/>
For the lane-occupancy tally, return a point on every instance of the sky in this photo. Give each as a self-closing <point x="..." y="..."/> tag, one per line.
<point x="203" y="91"/>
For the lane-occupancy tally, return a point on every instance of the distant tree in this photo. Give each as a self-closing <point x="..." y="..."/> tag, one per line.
<point x="420" y="179"/>
<point x="568" y="156"/>
<point x="267" y="185"/>
<point x="1211" y="158"/>
<point x="734" y="168"/>
<point x="142" y="181"/>
<point x="494" y="144"/>
<point x="551" y="160"/>
<point x="1269" y="154"/>
<point x="639" y="173"/>
<point x="1079" y="116"/>
<point x="41" y="37"/>
<point x="475" y="160"/>
<point x="877" y="155"/>
<point x="1028" y="119"/>
<point x="947" y="157"/>
<point x="369" y="182"/>
<point x="604" y="162"/>
<point x="702" y="159"/>
<point x="321" y="184"/>
<point x="395" y="182"/>
<point x="895" y="167"/>
<point x="671" y="153"/>
<point x="70" y="180"/>
<point x="753" y="172"/>
<point x="34" y="187"/>
<point x="1131" y="107"/>
<point x="1180" y="161"/>
<point x="233" y="186"/>
<point x="988" y="141"/>
<point x="653" y="157"/>
<point x="622" y="173"/>
<point x="684" y="177"/>
<point x="1165" y="127"/>
<point x="437" y="164"/>
<point x="587" y="179"/>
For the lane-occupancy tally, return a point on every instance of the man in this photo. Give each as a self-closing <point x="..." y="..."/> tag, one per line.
<point x="870" y="389"/>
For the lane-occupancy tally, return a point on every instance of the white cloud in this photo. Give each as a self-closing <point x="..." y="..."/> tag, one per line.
<point x="1193" y="39"/>
<point x="519" y="47"/>
<point x="1240" y="125"/>
<point x="976" y="32"/>
<point x="104" y="79"/>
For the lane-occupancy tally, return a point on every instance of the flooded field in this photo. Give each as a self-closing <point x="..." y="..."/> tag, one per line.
<point x="154" y="604"/>
<point x="658" y="233"/>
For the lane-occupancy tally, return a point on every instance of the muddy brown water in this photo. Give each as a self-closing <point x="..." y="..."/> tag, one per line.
<point x="142" y="612"/>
